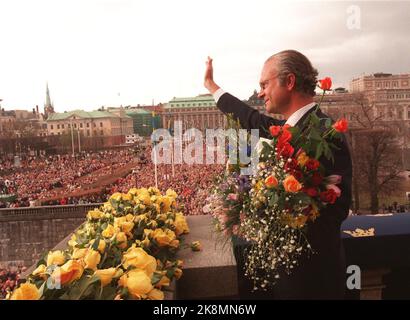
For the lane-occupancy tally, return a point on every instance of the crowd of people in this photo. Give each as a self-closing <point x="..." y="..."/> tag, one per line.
<point x="42" y="178"/>
<point x="9" y="277"/>
<point x="191" y="182"/>
<point x="54" y="180"/>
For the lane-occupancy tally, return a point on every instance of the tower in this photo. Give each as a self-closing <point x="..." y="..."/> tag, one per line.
<point x="48" y="106"/>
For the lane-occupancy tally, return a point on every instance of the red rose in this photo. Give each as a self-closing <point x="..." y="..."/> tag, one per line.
<point x="325" y="84"/>
<point x="285" y="150"/>
<point x="340" y="125"/>
<point x="298" y="175"/>
<point x="311" y="192"/>
<point x="285" y="137"/>
<point x="274" y="130"/>
<point x="328" y="196"/>
<point x="316" y="179"/>
<point x="312" y="164"/>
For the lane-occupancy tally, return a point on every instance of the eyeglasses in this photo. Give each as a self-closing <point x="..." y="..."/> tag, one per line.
<point x="264" y="84"/>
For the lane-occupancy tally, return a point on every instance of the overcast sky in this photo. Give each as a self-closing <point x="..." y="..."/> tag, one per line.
<point x="112" y="52"/>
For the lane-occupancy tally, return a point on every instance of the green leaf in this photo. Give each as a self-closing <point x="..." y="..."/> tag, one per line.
<point x="156" y="278"/>
<point x="315" y="135"/>
<point x="96" y="243"/>
<point x="301" y="196"/>
<point x="319" y="150"/>
<point x="328" y="123"/>
<point x="273" y="198"/>
<point x="80" y="290"/>
<point x="108" y="293"/>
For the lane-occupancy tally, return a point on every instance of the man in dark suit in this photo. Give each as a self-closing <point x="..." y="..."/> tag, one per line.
<point x="288" y="83"/>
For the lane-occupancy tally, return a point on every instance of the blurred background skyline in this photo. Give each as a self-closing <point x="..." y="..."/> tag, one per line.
<point x="109" y="53"/>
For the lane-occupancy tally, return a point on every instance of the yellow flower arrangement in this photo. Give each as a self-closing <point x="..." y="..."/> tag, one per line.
<point x="107" y="259"/>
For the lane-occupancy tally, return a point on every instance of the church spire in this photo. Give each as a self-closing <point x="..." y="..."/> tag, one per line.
<point x="48" y="106"/>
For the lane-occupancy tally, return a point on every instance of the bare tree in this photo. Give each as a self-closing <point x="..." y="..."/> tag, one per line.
<point x="376" y="146"/>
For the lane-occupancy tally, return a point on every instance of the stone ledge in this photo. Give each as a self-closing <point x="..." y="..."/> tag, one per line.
<point x="210" y="273"/>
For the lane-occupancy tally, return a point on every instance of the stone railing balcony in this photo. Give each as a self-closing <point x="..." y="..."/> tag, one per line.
<point x="212" y="273"/>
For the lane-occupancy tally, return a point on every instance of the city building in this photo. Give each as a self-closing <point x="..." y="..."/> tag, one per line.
<point x="198" y="112"/>
<point x="89" y="124"/>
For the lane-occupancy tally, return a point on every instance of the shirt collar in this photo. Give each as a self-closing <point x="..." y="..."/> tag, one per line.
<point x="298" y="114"/>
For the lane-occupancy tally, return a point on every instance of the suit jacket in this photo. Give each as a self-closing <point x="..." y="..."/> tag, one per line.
<point x="323" y="274"/>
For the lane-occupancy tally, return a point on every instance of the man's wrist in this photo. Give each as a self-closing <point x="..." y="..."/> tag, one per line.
<point x="212" y="87"/>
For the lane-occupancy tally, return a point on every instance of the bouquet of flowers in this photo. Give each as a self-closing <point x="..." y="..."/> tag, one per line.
<point x="287" y="192"/>
<point x="231" y="189"/>
<point x="125" y="250"/>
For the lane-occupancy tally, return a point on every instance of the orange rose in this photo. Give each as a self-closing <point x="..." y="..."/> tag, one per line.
<point x="325" y="84"/>
<point x="291" y="184"/>
<point x="271" y="182"/>
<point x="340" y="125"/>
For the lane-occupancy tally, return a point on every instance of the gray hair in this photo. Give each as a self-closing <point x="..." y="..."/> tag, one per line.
<point x="292" y="61"/>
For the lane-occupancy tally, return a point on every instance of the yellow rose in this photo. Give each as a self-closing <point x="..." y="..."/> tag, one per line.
<point x="137" y="282"/>
<point x="107" y="206"/>
<point x="69" y="272"/>
<point x="154" y="190"/>
<point x="101" y="245"/>
<point x="181" y="226"/>
<point x="129" y="217"/>
<point x="94" y="214"/>
<point x="133" y="191"/>
<point x="122" y="240"/>
<point x="196" y="246"/>
<point x="72" y="242"/>
<point x="171" y="193"/>
<point x="127" y="197"/>
<point x="109" y="231"/>
<point x="174" y="243"/>
<point x="146" y="242"/>
<point x="106" y="275"/>
<point x="126" y="226"/>
<point x="295" y="222"/>
<point x="302" y="159"/>
<point x="163" y="238"/>
<point x="138" y="258"/>
<point x="92" y="259"/>
<point x="157" y="207"/>
<point x="152" y="224"/>
<point x="147" y="232"/>
<point x="258" y="185"/>
<point x="145" y="198"/>
<point x="163" y="282"/>
<point x="79" y="253"/>
<point x="141" y="217"/>
<point x="291" y="184"/>
<point x="177" y="273"/>
<point x="55" y="257"/>
<point x="142" y="190"/>
<point x="40" y="272"/>
<point x="116" y="196"/>
<point x="162" y="217"/>
<point x="166" y="204"/>
<point x="155" y="294"/>
<point x="26" y="291"/>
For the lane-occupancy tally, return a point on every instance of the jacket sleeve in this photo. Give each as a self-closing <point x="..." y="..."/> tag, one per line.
<point x="249" y="118"/>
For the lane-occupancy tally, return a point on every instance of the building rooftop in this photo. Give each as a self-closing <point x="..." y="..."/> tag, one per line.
<point x="81" y="114"/>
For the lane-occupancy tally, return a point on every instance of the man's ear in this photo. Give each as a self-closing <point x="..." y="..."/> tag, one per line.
<point x="290" y="81"/>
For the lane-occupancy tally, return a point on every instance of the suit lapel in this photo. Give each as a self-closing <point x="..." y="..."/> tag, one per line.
<point x="301" y="121"/>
